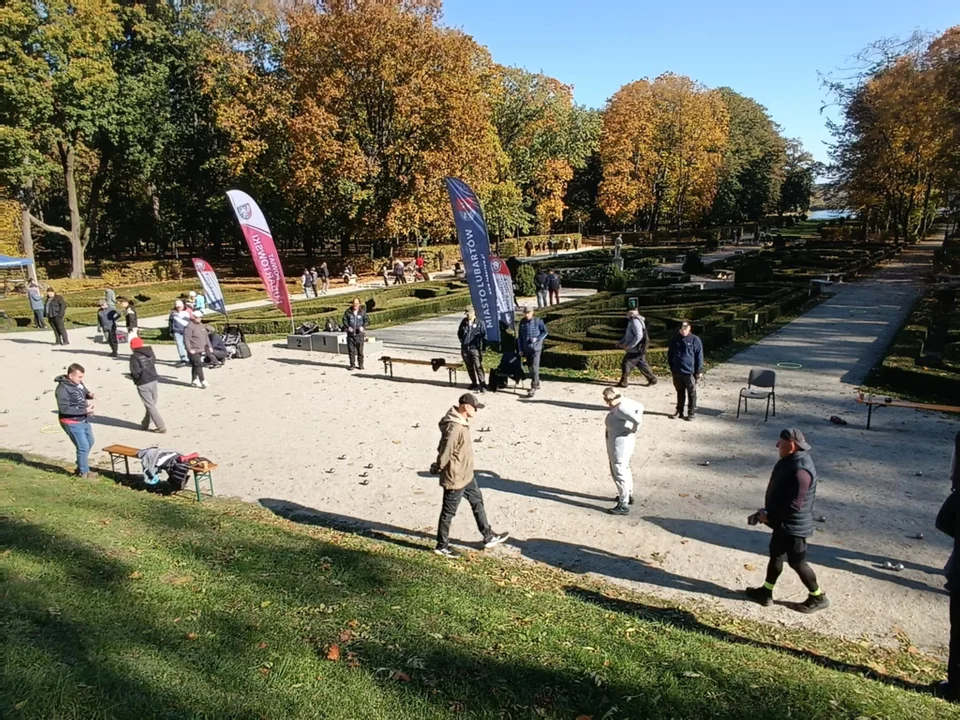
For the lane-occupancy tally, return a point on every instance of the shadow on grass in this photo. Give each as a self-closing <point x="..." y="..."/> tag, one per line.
<point x="688" y="621"/>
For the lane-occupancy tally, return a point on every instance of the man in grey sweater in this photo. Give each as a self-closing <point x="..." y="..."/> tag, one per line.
<point x="622" y="423"/>
<point x="197" y="341"/>
<point x="635" y="342"/>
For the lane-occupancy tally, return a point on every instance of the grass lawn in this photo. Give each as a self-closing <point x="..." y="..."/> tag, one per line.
<point x="122" y="604"/>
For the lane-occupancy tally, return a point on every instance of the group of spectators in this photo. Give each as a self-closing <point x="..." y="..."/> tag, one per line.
<point x="552" y="246"/>
<point x="197" y="344"/>
<point x="547" y="285"/>
<point x="316" y="281"/>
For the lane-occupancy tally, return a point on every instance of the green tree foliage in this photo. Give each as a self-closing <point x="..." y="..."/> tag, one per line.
<point x="799" y="175"/>
<point x="523" y="281"/>
<point x="750" y="179"/>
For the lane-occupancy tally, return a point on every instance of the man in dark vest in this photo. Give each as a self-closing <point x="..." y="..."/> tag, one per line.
<point x="635" y="342"/>
<point x="789" y="513"/>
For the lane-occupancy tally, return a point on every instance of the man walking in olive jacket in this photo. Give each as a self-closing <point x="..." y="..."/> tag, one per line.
<point x="455" y="466"/>
<point x="789" y="513"/>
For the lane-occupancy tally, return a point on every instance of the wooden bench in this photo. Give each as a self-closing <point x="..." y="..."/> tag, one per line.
<point x="873" y="403"/>
<point x="202" y="470"/>
<point x="435" y="363"/>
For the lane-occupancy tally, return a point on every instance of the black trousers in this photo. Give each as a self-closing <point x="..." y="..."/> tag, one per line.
<point x="637" y="360"/>
<point x="794" y="549"/>
<point x="59" y="331"/>
<point x="686" y="387"/>
<point x="113" y="341"/>
<point x="355" y="350"/>
<point x="474" y="363"/>
<point x="953" y="663"/>
<point x="38" y="319"/>
<point x="451" y="501"/>
<point x="196" y="366"/>
<point x="532" y="358"/>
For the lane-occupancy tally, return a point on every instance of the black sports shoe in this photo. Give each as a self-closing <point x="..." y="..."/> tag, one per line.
<point x="474" y="388"/>
<point x="623" y="384"/>
<point x="813" y="603"/>
<point x="447" y="552"/>
<point x="760" y="595"/>
<point x="689" y="417"/>
<point x="677" y="414"/>
<point x="652" y="382"/>
<point x="616" y="499"/>
<point x="619" y="509"/>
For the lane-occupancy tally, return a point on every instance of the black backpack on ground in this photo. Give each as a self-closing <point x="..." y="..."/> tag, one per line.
<point x="243" y="350"/>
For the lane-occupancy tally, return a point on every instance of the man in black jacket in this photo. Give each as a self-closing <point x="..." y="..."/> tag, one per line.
<point x="355" y="325"/>
<point x="143" y="370"/>
<point x="540" y="284"/>
<point x="472" y="336"/>
<point x="73" y="409"/>
<point x="789" y="513"/>
<point x="56" y="312"/>
<point x="685" y="358"/>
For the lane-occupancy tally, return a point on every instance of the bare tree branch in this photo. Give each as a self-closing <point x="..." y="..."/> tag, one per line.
<point x="49" y="228"/>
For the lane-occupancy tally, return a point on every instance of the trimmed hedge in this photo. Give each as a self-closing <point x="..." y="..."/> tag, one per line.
<point x="583" y="334"/>
<point x="900" y="370"/>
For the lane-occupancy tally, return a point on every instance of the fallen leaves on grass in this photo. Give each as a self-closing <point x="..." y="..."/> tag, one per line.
<point x="333" y="654"/>
<point x="191" y="636"/>
<point x="262" y="646"/>
<point x="265" y="604"/>
<point x="176" y="579"/>
<point x="399" y="675"/>
<point x="135" y="575"/>
<point x="691" y="674"/>
<point x="345" y="636"/>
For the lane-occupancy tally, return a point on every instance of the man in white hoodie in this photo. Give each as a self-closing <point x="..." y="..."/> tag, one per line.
<point x="622" y="423"/>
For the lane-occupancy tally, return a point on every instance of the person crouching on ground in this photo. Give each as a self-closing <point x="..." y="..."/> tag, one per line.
<point x="622" y="423"/>
<point x="472" y="336"/>
<point x="143" y="371"/>
<point x="73" y="410"/>
<point x="197" y="342"/>
<point x="685" y="358"/>
<point x="789" y="513"/>
<point x="455" y="466"/>
<point x="355" y="325"/>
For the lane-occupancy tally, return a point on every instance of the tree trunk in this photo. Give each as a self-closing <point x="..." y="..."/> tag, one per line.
<point x="77" y="260"/>
<point x="26" y="239"/>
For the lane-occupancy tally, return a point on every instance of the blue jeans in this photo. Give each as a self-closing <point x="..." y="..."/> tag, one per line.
<point x="81" y="435"/>
<point x="181" y="347"/>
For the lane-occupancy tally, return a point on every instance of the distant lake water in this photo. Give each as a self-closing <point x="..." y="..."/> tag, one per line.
<point x="830" y="214"/>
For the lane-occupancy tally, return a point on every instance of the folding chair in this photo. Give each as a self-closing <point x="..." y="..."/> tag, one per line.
<point x="760" y="384"/>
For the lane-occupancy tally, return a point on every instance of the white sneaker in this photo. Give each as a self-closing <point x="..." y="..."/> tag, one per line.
<point x="203" y="385"/>
<point x="197" y="384"/>
<point x="495" y="540"/>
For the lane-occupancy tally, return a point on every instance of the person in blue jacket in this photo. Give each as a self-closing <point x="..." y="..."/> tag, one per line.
<point x="685" y="358"/>
<point x="531" y="332"/>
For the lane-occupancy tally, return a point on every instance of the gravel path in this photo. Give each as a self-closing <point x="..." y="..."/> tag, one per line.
<point x="278" y="423"/>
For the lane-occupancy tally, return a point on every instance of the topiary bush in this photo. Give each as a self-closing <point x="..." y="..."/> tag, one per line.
<point x="612" y="279"/>
<point x="523" y="284"/>
<point x="694" y="263"/>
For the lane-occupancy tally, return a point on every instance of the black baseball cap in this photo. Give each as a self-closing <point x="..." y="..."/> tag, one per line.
<point x="471" y="399"/>
<point x="795" y="436"/>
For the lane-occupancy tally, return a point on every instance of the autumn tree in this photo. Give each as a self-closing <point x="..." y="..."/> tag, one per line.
<point x="798" y="175"/>
<point x="60" y="98"/>
<point x="661" y="148"/>
<point x="751" y="175"/>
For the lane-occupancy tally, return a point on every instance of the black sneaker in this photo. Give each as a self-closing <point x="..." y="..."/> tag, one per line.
<point x="760" y="595"/>
<point x="473" y="388"/>
<point x="689" y="417"/>
<point x="483" y="389"/>
<point x="617" y="500"/>
<point x="619" y="509"/>
<point x="651" y="383"/>
<point x="813" y="603"/>
<point x="495" y="540"/>
<point x="350" y="368"/>
<point x="446" y="552"/>
<point x="622" y="384"/>
<point x="677" y="414"/>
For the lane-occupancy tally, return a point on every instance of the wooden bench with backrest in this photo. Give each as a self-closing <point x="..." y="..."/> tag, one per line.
<point x="202" y="469"/>
<point x="435" y="363"/>
<point x="874" y="403"/>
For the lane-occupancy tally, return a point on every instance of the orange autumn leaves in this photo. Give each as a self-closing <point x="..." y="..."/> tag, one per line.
<point x="661" y="148"/>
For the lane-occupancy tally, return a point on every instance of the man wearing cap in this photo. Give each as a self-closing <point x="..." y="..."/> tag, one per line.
<point x="143" y="371"/>
<point x="197" y="342"/>
<point x="472" y="336"/>
<point x="355" y="324"/>
<point x="789" y="513"/>
<point x="531" y="332"/>
<point x="455" y="466"/>
<point x="685" y="358"/>
<point x="622" y="423"/>
<point x="635" y="342"/>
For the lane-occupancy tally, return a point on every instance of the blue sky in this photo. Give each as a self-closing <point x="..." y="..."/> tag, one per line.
<point x="770" y="51"/>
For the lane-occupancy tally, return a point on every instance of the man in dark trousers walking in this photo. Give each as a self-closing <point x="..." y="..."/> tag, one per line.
<point x="531" y="332"/>
<point x="455" y="467"/>
<point x="788" y="510"/>
<point x="472" y="336"/>
<point x="685" y="358"/>
<point x="540" y="285"/>
<point x="355" y="325"/>
<point x="635" y="341"/>
<point x="107" y="319"/>
<point x="56" y="312"/>
<point x="553" y="287"/>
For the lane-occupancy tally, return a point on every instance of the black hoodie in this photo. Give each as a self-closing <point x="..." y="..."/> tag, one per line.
<point x="143" y="366"/>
